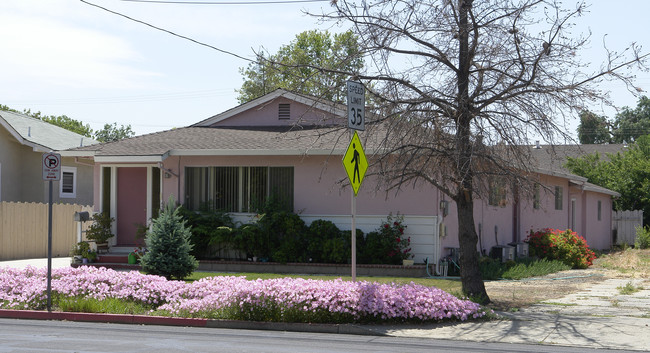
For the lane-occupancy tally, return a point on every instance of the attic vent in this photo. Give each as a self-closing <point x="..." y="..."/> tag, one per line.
<point x="284" y="111"/>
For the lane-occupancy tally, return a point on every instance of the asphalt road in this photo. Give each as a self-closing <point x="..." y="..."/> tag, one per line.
<point x="62" y="336"/>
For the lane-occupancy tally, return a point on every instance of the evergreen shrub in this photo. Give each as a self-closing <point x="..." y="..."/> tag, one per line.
<point x="168" y="246"/>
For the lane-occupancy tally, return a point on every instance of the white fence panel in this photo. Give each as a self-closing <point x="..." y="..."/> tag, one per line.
<point x="625" y="223"/>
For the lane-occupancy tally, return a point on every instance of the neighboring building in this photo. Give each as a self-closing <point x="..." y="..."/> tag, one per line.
<point x="23" y="140"/>
<point x="289" y="145"/>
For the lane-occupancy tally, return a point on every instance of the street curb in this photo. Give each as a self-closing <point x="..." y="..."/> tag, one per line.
<point x="188" y="322"/>
<point x="109" y="318"/>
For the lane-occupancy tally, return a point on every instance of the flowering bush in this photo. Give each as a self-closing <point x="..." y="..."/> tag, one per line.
<point x="285" y="299"/>
<point x="388" y="244"/>
<point x="394" y="229"/>
<point x="566" y="246"/>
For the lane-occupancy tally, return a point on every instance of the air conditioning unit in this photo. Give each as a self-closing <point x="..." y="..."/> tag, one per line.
<point x="503" y="252"/>
<point x="521" y="249"/>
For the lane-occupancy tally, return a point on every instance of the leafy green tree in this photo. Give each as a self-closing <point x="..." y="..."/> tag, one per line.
<point x="298" y="67"/>
<point x="60" y="120"/>
<point x="593" y="129"/>
<point x="168" y="246"/>
<point x="112" y="133"/>
<point x="627" y="173"/>
<point x="629" y="124"/>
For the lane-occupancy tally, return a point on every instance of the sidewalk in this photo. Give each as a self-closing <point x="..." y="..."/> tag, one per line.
<point x="599" y="317"/>
<point x="57" y="262"/>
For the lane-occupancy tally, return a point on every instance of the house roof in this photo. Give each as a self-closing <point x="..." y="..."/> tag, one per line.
<point x="202" y="139"/>
<point x="230" y="141"/>
<point x="554" y="157"/>
<point x="551" y="160"/>
<point x="40" y="135"/>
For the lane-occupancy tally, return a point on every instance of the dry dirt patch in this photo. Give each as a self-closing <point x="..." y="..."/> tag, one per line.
<point x="511" y="295"/>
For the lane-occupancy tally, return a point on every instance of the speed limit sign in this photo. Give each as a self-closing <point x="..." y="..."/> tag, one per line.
<point x="356" y="105"/>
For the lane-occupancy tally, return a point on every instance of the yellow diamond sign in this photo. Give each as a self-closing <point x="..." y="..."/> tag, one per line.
<point x="355" y="163"/>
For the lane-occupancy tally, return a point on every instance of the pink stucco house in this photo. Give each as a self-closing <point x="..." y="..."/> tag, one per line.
<point x="289" y="144"/>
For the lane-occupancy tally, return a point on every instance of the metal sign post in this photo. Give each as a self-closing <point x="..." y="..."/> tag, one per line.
<point x="51" y="171"/>
<point x="354" y="160"/>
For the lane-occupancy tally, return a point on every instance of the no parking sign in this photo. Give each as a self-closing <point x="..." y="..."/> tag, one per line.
<point x="51" y="166"/>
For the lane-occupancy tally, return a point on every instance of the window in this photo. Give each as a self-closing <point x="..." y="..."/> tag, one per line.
<point x="600" y="210"/>
<point x="238" y="189"/>
<point x="497" y="192"/>
<point x="558" y="198"/>
<point x="68" y="182"/>
<point x="284" y="111"/>
<point x="536" y="197"/>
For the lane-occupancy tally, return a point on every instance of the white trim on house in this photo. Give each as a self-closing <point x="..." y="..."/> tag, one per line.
<point x="223" y="152"/>
<point x="128" y="159"/>
<point x="574" y="178"/>
<point x="113" y="203"/>
<point x="149" y="195"/>
<point x="67" y="153"/>
<point x="13" y="132"/>
<point x="62" y="193"/>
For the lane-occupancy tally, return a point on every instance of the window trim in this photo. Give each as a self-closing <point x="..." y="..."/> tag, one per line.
<point x="73" y="194"/>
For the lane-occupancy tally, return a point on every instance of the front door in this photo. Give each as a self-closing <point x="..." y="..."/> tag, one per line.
<point x="131" y="203"/>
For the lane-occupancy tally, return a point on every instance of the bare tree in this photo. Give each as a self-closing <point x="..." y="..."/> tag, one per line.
<point x="462" y="84"/>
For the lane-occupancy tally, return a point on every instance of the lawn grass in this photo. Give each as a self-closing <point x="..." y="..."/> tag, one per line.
<point x="93" y="305"/>
<point x="448" y="285"/>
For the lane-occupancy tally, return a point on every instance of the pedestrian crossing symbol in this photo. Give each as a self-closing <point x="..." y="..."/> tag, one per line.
<point x="355" y="163"/>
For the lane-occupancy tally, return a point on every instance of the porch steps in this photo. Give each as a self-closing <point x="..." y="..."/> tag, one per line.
<point x="116" y="258"/>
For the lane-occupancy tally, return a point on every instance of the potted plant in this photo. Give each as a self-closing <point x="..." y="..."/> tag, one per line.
<point x="100" y="230"/>
<point x="81" y="251"/>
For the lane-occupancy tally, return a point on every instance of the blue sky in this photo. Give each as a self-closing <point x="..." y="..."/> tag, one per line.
<point x="67" y="57"/>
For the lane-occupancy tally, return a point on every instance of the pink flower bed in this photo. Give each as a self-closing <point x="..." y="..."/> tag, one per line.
<point x="355" y="301"/>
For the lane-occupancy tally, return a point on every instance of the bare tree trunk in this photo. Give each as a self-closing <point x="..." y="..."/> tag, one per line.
<point x="469" y="271"/>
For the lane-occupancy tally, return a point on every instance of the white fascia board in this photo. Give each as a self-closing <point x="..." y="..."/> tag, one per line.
<point x="242" y="152"/>
<point x="128" y="159"/>
<point x="11" y="130"/>
<point x="560" y="174"/>
<point x="66" y="153"/>
<point x="599" y="189"/>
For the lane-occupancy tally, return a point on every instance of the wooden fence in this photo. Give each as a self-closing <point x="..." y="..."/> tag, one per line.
<point x="624" y="224"/>
<point x="23" y="229"/>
